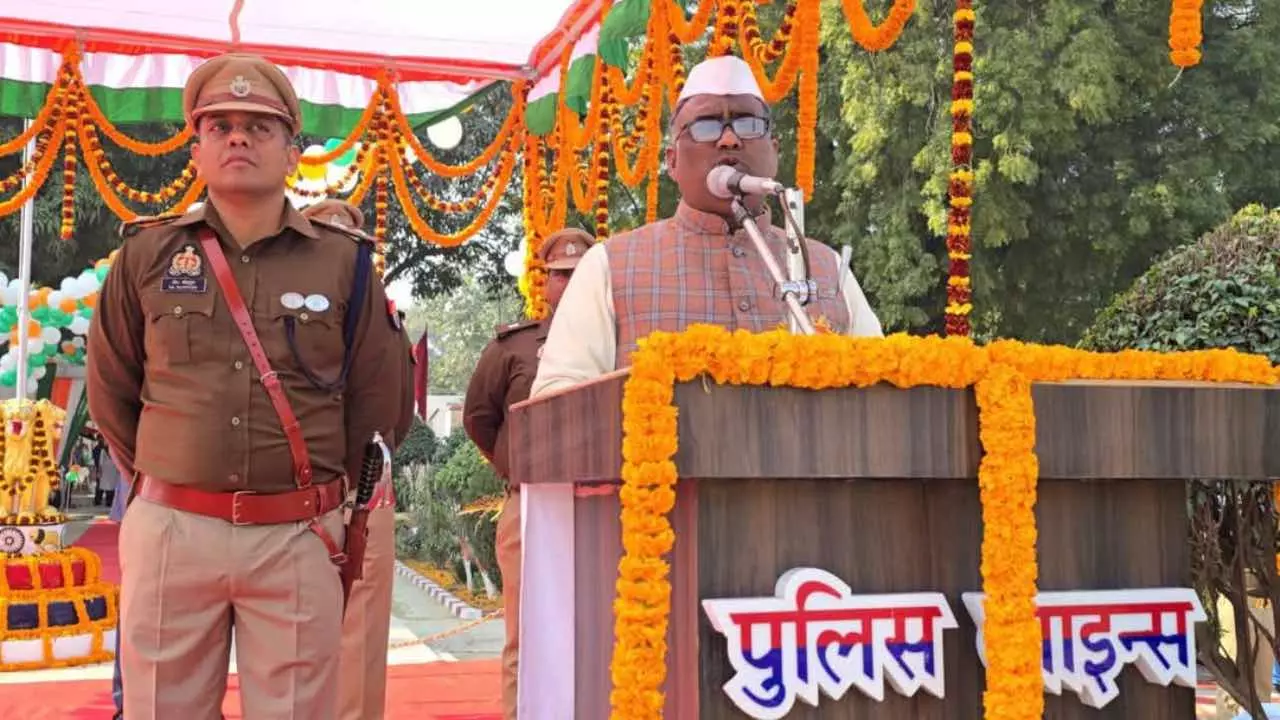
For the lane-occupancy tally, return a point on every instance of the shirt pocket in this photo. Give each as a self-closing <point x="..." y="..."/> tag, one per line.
<point x="313" y="342"/>
<point x="179" y="326"/>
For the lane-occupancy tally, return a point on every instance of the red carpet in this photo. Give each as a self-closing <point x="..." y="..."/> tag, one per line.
<point x="435" y="691"/>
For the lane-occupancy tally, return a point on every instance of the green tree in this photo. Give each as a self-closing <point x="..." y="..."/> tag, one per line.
<point x="460" y="323"/>
<point x="1221" y="291"/>
<point x="1091" y="159"/>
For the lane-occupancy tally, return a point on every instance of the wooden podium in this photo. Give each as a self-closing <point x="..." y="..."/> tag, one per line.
<point x="878" y="486"/>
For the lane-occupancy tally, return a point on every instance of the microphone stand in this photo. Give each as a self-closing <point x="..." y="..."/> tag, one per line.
<point x="792" y="292"/>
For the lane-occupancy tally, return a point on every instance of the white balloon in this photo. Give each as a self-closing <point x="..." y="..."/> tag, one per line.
<point x="514" y="263"/>
<point x="39" y="372"/>
<point x="11" y="293"/>
<point x="8" y="360"/>
<point x="446" y="134"/>
<point x="79" y="326"/>
<point x="67" y="286"/>
<point x="55" y="298"/>
<point x="35" y="345"/>
<point x="32" y="386"/>
<point x="51" y="335"/>
<point x="86" y="284"/>
<point x="79" y="341"/>
<point x="4" y="279"/>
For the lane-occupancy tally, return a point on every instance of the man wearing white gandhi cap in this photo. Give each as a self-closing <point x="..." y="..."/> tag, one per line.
<point x="699" y="266"/>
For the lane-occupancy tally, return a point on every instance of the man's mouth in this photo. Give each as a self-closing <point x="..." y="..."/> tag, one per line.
<point x="230" y="162"/>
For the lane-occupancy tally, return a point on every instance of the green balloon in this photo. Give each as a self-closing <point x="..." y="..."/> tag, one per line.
<point x="8" y="314"/>
<point x="85" y="311"/>
<point x="35" y="360"/>
<point x="102" y="272"/>
<point x="41" y="314"/>
<point x="57" y="319"/>
<point x="9" y="378"/>
<point x="345" y="158"/>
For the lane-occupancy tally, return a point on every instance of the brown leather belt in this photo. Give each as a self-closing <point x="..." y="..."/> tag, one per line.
<point x="246" y="507"/>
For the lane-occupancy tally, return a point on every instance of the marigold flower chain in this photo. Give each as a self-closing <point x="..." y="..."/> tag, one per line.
<point x="960" y="185"/>
<point x="1001" y="375"/>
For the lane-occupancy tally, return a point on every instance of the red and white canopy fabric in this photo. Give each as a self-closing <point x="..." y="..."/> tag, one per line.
<point x="441" y="52"/>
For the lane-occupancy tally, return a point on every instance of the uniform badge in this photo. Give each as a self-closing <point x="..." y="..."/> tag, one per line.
<point x="316" y="303"/>
<point x="240" y="87"/>
<point x="185" y="273"/>
<point x="571" y="249"/>
<point x="292" y="301"/>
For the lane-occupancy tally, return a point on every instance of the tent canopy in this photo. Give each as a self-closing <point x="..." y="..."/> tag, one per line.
<point x="137" y="54"/>
<point x="421" y="39"/>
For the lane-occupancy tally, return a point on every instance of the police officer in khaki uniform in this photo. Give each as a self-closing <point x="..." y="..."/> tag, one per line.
<point x="366" y="627"/>
<point x="502" y="378"/>
<point x="240" y="359"/>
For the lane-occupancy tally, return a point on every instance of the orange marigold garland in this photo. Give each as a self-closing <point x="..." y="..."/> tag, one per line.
<point x="874" y="38"/>
<point x="72" y="112"/>
<point x="960" y="187"/>
<point x="1001" y="375"/>
<point x="1185" y="33"/>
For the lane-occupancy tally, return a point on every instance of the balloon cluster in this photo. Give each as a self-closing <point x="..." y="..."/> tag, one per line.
<point x="325" y="178"/>
<point x="57" y="322"/>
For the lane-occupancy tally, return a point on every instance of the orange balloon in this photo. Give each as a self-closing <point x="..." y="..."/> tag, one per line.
<point x="68" y="305"/>
<point x="68" y="348"/>
<point x="38" y="297"/>
<point x="34" y="329"/>
<point x="90" y="300"/>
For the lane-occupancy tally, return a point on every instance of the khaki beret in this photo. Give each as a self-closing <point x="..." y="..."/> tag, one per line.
<point x="337" y="212"/>
<point x="564" y="248"/>
<point x="244" y="83"/>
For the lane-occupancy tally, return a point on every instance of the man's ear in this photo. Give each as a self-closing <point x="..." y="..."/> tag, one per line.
<point x="670" y="158"/>
<point x="295" y="155"/>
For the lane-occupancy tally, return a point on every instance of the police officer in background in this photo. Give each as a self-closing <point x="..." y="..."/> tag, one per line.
<point x="366" y="627"/>
<point x="503" y="377"/>
<point x="240" y="359"/>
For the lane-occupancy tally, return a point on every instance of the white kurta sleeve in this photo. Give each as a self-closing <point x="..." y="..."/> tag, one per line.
<point x="862" y="319"/>
<point x="582" y="342"/>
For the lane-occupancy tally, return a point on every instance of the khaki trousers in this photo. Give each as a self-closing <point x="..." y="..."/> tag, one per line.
<point x="187" y="580"/>
<point x="367" y="625"/>
<point x="508" y="551"/>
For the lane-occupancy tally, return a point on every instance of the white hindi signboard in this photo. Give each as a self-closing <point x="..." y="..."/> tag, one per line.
<point x="815" y="635"/>
<point x="1088" y="638"/>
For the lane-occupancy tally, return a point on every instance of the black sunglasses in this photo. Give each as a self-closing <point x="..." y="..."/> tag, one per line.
<point x="710" y="129"/>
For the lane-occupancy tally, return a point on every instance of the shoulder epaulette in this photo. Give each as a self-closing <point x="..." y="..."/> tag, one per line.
<point x="129" y="228"/>
<point x="511" y="328"/>
<point x="353" y="233"/>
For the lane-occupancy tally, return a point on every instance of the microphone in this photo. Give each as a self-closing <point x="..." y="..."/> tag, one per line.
<point x="727" y="183"/>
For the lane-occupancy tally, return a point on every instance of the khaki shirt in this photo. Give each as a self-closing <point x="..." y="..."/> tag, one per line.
<point x="169" y="379"/>
<point x="503" y="377"/>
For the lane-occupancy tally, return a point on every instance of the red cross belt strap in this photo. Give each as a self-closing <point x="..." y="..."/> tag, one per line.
<point x="308" y="502"/>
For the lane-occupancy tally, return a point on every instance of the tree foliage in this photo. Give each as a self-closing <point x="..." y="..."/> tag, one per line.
<point x="1221" y="291"/>
<point x="459" y="324"/>
<point x="1091" y="158"/>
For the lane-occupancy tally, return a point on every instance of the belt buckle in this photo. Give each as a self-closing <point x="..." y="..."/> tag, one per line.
<point x="235" y="507"/>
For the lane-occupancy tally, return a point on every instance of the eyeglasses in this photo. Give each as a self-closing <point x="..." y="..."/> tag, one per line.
<point x="258" y="129"/>
<point x="711" y="129"/>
